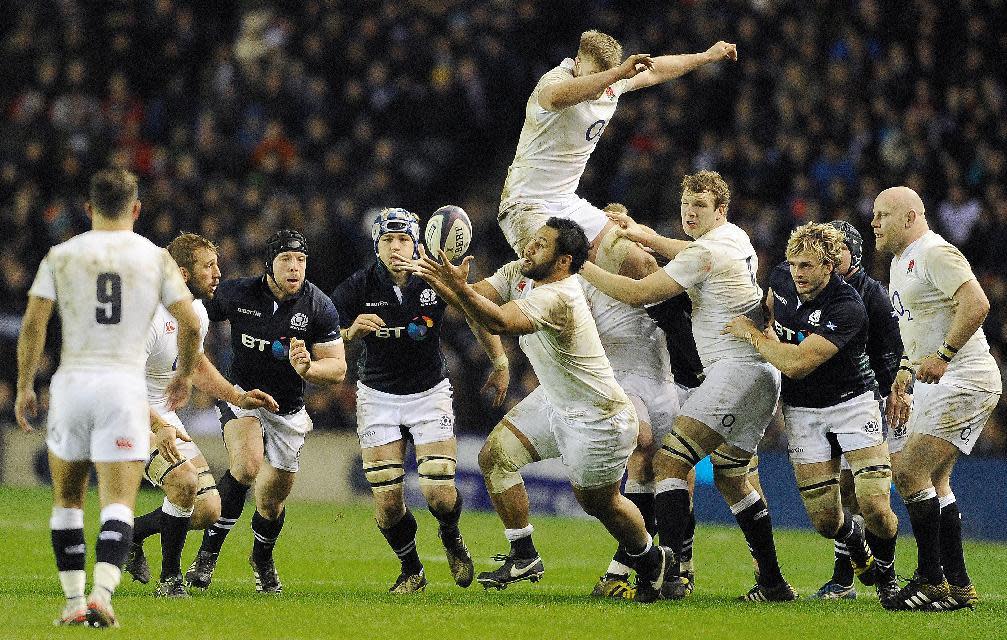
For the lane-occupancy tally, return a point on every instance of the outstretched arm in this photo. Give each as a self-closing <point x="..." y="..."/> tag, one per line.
<point x="667" y="68"/>
<point x="566" y="93"/>
<point x="657" y="287"/>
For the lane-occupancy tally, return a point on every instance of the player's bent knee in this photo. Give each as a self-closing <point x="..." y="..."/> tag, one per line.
<point x="384" y="476"/>
<point x="729" y="466"/>
<point x="158" y="469"/>
<point x="680" y="449"/>
<point x="436" y="472"/>
<point x="505" y="455"/>
<point x="206" y="511"/>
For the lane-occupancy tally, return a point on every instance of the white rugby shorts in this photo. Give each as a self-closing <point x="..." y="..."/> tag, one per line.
<point x="737" y="399"/>
<point x="655" y="401"/>
<point x="99" y="415"/>
<point x="520" y="219"/>
<point x="948" y="412"/>
<point x="855" y="423"/>
<point x="594" y="453"/>
<point x="282" y="436"/>
<point x="427" y="415"/>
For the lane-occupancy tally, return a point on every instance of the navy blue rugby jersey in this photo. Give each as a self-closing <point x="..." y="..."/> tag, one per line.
<point x="674" y="316"/>
<point x="884" y="341"/>
<point x="836" y="314"/>
<point x="404" y="356"/>
<point x="261" y="328"/>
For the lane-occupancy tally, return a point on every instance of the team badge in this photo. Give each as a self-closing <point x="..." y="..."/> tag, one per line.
<point x="815" y="317"/>
<point x="428" y="297"/>
<point x="609" y="92"/>
<point x="299" y="321"/>
<point x="912" y="264"/>
<point x="169" y="327"/>
<point x="521" y="285"/>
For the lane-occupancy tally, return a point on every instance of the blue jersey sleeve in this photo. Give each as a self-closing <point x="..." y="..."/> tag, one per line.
<point x="346" y="299"/>
<point x="217" y="306"/>
<point x="884" y="342"/>
<point x="843" y="320"/>
<point x="325" y="324"/>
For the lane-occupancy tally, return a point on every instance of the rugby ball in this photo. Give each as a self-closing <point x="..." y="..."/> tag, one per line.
<point x="450" y="229"/>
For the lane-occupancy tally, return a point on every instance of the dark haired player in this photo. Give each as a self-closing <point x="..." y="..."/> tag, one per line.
<point x="403" y="387"/>
<point x="284" y="332"/>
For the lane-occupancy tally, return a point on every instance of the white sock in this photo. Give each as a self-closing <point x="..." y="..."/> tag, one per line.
<point x="73" y="587"/>
<point x="106" y="579"/>
<point x="517" y="534"/>
<point x="618" y="569"/>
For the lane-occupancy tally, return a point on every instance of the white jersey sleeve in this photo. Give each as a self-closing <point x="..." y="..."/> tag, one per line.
<point x="508" y="281"/>
<point x="923" y="282"/>
<point x="718" y="271"/>
<point x="162" y="352"/>
<point x="44" y="285"/>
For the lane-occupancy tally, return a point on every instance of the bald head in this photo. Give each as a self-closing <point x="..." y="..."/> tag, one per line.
<point x="902" y="200"/>
<point x="898" y="219"/>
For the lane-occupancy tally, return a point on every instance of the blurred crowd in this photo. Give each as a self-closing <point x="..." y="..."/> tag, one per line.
<point x="244" y="117"/>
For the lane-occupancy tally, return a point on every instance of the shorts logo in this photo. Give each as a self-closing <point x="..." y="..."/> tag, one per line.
<point x="169" y="327"/>
<point x="521" y="285"/>
<point x="595" y="130"/>
<point x="428" y="297"/>
<point x="447" y="421"/>
<point x="900" y="432"/>
<point x="815" y="317"/>
<point x="965" y="434"/>
<point x="912" y="265"/>
<point x="123" y="443"/>
<point x="872" y="427"/>
<point x="419" y="326"/>
<point x="795" y="450"/>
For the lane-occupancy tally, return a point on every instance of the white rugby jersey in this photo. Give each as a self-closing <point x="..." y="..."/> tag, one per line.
<point x="565" y="350"/>
<point x="107" y="286"/>
<point x="923" y="282"/>
<point x="555" y="145"/>
<point x="632" y="340"/>
<point x="718" y="271"/>
<point x="162" y="352"/>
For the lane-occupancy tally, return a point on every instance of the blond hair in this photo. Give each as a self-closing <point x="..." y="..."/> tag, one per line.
<point x="708" y="181"/>
<point x="183" y="249"/>
<point x="600" y="47"/>
<point x="112" y="192"/>
<point x="821" y="240"/>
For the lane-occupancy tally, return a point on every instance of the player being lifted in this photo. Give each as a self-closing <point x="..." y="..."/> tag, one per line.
<point x="816" y="338"/>
<point x="729" y="412"/>
<point x="107" y="285"/>
<point x="564" y="118"/>
<point x="403" y="384"/>
<point x="284" y="332"/>
<point x="578" y="413"/>
<point x="176" y="464"/>
<point x="941" y="308"/>
<point x="884" y="348"/>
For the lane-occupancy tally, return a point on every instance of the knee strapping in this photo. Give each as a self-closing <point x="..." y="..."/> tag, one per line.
<point x="508" y="455"/>
<point x="728" y="466"/>
<point x="821" y="493"/>
<point x="384" y="475"/>
<point x="436" y="471"/>
<point x="682" y="447"/>
<point x="158" y="468"/>
<point x="872" y="476"/>
<point x="207" y="486"/>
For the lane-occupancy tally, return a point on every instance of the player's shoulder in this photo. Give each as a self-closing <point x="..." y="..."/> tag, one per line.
<point x="843" y="295"/>
<point x="933" y="247"/>
<point x="316" y="297"/>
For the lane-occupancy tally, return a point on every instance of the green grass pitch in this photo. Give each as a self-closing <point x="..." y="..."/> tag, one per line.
<point x="336" y="568"/>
